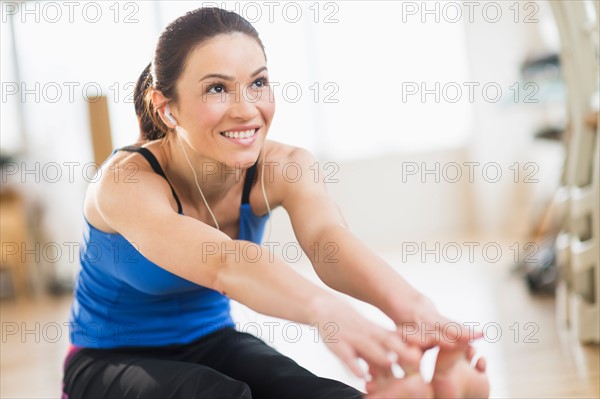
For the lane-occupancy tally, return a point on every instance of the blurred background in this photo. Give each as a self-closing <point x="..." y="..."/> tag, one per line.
<point x="460" y="140"/>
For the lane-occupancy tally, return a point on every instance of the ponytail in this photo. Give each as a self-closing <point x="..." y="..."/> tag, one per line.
<point x="151" y="126"/>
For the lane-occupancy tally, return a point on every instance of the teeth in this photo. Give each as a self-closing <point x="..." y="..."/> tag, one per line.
<point x="240" y="135"/>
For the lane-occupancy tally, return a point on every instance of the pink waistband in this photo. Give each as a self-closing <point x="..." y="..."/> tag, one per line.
<point x="71" y="351"/>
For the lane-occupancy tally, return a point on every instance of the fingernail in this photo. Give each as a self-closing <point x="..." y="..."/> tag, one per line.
<point x="392" y="357"/>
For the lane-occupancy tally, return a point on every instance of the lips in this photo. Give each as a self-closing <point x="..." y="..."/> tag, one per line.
<point x="243" y="136"/>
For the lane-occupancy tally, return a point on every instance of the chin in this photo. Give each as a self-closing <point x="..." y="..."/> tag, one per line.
<point x="242" y="161"/>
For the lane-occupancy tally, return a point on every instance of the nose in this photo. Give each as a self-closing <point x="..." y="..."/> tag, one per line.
<point x="243" y="106"/>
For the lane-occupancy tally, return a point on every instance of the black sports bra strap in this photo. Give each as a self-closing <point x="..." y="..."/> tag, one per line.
<point x="248" y="183"/>
<point x="146" y="153"/>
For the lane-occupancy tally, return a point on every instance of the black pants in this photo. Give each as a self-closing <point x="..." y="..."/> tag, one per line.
<point x="224" y="364"/>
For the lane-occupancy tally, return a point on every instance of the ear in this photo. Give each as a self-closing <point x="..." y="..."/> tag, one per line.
<point x="159" y="101"/>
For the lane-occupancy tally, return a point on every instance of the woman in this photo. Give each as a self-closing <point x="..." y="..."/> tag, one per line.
<point x="173" y="231"/>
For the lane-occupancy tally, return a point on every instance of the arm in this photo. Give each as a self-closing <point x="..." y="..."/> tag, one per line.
<point x="352" y="267"/>
<point x="199" y="253"/>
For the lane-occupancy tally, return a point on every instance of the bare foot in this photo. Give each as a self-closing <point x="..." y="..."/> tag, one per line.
<point x="454" y="377"/>
<point x="389" y="387"/>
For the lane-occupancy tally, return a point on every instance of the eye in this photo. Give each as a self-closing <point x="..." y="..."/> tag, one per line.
<point x="216" y="88"/>
<point x="261" y="82"/>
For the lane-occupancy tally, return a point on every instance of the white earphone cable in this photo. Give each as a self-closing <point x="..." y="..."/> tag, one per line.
<point x="196" y="179"/>
<point x="264" y="193"/>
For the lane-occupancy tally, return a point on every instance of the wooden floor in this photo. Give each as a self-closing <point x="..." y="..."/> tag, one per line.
<point x="529" y="354"/>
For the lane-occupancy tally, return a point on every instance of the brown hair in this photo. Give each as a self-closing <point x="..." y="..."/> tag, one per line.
<point x="174" y="45"/>
<point x="139" y="101"/>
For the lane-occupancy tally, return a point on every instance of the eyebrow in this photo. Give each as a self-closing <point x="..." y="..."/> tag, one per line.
<point x="230" y="78"/>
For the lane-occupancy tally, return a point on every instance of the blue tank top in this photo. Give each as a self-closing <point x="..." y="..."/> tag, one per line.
<point x="122" y="299"/>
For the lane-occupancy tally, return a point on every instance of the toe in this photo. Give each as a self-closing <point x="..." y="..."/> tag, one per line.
<point x="481" y="365"/>
<point x="470" y="353"/>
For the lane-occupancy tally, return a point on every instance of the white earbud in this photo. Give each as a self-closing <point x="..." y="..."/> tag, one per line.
<point x="169" y="116"/>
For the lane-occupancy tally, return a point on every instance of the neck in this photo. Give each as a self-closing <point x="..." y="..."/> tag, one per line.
<point x="214" y="178"/>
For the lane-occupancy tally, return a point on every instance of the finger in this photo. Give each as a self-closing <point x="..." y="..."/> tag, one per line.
<point x="407" y="356"/>
<point x="429" y="336"/>
<point x="380" y="377"/>
<point x="469" y="334"/>
<point x="443" y="332"/>
<point x="410" y="334"/>
<point x="374" y="352"/>
<point x="348" y="356"/>
<point x="453" y="333"/>
<point x="371" y="386"/>
<point x="478" y="362"/>
<point x="379" y="373"/>
<point x="424" y="335"/>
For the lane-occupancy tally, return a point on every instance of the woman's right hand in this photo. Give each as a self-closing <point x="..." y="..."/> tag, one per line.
<point x="351" y="337"/>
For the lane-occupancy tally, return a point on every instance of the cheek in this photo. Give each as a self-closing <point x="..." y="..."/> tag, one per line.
<point x="267" y="109"/>
<point x="209" y="114"/>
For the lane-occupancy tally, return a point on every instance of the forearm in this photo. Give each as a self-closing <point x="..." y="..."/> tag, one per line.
<point x="266" y="284"/>
<point x="347" y="265"/>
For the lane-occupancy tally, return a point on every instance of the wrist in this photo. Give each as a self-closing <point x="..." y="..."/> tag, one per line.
<point x="405" y="308"/>
<point x="323" y="307"/>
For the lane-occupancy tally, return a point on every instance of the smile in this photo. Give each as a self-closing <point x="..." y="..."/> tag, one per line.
<point x="241" y="134"/>
<point x="244" y="137"/>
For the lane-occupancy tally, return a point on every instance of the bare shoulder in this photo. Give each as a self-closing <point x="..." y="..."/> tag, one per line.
<point x="123" y="186"/>
<point x="286" y="168"/>
<point x="298" y="185"/>
<point x="282" y="153"/>
<point x="284" y="161"/>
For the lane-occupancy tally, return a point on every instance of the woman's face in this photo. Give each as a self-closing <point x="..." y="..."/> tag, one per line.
<point x="225" y="104"/>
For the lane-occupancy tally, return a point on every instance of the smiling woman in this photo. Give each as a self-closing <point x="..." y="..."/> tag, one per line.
<point x="164" y="253"/>
<point x="207" y="107"/>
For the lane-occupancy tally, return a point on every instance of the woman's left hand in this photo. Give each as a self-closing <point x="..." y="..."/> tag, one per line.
<point x="420" y="324"/>
<point x="355" y="337"/>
